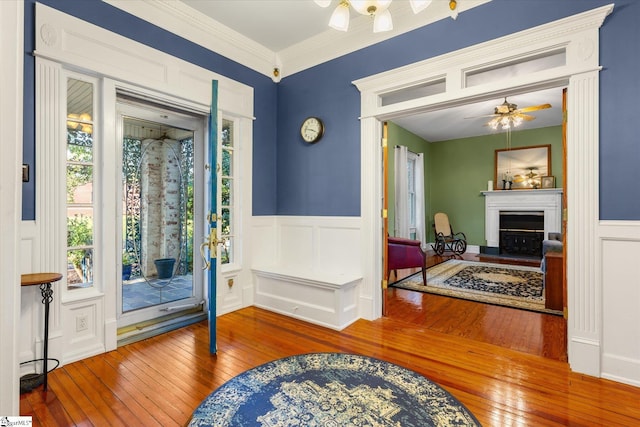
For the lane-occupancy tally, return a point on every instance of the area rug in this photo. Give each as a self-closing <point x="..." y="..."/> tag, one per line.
<point x="501" y="284"/>
<point x="331" y="389"/>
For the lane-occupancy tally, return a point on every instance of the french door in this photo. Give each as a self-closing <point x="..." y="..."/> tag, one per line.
<point x="161" y="210"/>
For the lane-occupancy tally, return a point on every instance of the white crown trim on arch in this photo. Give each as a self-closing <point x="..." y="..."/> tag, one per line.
<point x="578" y="35"/>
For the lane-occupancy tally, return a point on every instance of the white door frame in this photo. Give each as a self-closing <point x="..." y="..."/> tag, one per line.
<point x="578" y="36"/>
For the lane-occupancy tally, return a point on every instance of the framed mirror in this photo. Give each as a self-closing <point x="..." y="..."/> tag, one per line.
<point x="521" y="168"/>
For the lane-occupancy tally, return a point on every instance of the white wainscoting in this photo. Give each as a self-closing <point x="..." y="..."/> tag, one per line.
<point x="309" y="268"/>
<point x="620" y="348"/>
<point x="66" y="344"/>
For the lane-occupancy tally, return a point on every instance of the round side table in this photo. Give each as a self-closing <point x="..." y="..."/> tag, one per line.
<point x="44" y="280"/>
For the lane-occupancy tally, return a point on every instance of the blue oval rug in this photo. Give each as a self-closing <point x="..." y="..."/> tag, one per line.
<point x="331" y="389"/>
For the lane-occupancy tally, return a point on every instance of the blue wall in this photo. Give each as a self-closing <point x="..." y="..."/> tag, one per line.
<point x="292" y="178"/>
<point x="324" y="179"/>
<point x="113" y="19"/>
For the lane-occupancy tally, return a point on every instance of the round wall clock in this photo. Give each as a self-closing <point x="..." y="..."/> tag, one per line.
<point x="312" y="129"/>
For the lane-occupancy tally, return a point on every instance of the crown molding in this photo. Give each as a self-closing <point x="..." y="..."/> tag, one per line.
<point x="192" y="25"/>
<point x="333" y="44"/>
<point x="175" y="16"/>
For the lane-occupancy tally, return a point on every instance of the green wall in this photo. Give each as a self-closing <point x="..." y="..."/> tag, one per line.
<point x="457" y="171"/>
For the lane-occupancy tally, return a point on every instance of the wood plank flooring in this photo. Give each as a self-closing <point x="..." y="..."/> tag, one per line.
<point x="505" y="365"/>
<point x="521" y="330"/>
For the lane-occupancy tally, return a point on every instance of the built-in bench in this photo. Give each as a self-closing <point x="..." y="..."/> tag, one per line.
<point x="325" y="299"/>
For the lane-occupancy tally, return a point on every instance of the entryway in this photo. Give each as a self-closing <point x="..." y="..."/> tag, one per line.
<point x="161" y="163"/>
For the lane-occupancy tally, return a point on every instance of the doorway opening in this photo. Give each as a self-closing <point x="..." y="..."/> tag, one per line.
<point x="398" y="302"/>
<point x="162" y="212"/>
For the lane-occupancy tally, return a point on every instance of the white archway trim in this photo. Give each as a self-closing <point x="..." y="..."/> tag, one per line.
<point x="578" y="37"/>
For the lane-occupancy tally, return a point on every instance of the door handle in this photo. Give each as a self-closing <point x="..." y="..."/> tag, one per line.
<point x="211" y="242"/>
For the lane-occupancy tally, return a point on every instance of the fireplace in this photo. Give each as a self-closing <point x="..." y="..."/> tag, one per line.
<point x="547" y="202"/>
<point x="521" y="233"/>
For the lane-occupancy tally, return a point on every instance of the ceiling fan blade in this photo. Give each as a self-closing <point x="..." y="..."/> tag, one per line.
<point x="533" y="108"/>
<point x="525" y="117"/>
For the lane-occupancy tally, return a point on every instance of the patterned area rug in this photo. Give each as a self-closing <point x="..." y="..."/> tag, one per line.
<point x="501" y="284"/>
<point x="331" y="389"/>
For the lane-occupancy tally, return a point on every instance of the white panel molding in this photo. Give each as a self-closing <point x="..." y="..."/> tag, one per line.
<point x="578" y="35"/>
<point x="230" y="293"/>
<point x="584" y="262"/>
<point x="198" y="28"/>
<point x="620" y="248"/>
<point x="263" y="240"/>
<point x="619" y="230"/>
<point x="65" y="39"/>
<point x="28" y="242"/>
<point x="569" y="33"/>
<point x="319" y="255"/>
<point x="84" y="343"/>
<point x="371" y="213"/>
<point x="30" y="306"/>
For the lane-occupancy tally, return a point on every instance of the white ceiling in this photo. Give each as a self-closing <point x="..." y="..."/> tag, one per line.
<point x="279" y="24"/>
<point x="466" y="121"/>
<point x="275" y="24"/>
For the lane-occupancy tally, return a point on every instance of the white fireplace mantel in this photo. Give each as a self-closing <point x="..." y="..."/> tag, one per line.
<point x="547" y="200"/>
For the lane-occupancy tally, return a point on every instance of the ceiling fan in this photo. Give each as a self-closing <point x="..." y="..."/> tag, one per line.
<point x="508" y="115"/>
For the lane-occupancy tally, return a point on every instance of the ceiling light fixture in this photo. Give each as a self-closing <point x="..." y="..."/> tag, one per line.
<point x="377" y="9"/>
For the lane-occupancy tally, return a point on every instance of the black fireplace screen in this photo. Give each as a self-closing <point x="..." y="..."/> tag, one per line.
<point x="521" y="233"/>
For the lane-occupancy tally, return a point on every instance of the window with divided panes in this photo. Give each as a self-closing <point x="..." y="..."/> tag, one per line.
<point x="80" y="171"/>
<point x="228" y="196"/>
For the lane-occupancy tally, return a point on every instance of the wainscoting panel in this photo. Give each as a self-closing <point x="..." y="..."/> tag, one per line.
<point x="325" y="245"/>
<point x="316" y="270"/>
<point x="620" y="246"/>
<point x="297" y="244"/>
<point x="263" y="238"/>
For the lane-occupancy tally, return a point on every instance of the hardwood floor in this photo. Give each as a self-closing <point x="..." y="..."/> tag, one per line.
<point x="489" y="358"/>
<point x="534" y="333"/>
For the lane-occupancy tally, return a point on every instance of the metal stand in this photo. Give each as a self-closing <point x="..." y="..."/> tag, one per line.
<point x="30" y="381"/>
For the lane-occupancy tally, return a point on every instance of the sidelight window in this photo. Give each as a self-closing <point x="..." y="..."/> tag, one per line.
<point x="80" y="175"/>
<point x="228" y="192"/>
